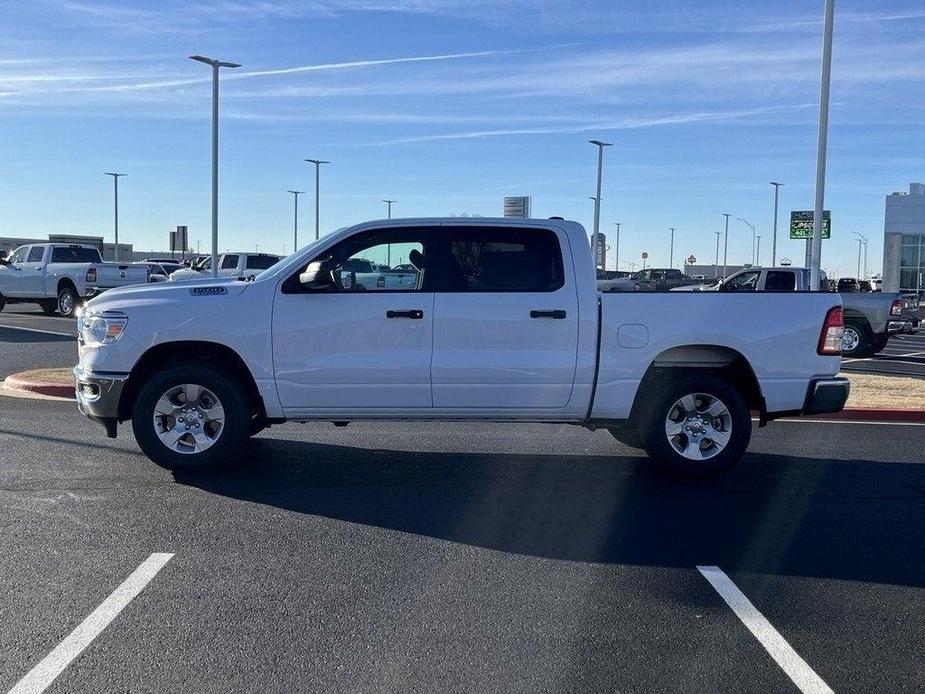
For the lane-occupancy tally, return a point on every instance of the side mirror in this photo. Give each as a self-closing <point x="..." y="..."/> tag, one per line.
<point x="317" y="275"/>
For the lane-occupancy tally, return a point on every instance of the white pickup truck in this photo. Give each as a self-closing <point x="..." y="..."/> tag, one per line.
<point x="504" y="323"/>
<point x="238" y="265"/>
<point x="59" y="276"/>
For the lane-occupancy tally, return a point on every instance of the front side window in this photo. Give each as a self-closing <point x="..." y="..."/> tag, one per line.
<point x="484" y="259"/>
<point x="746" y="282"/>
<point x="35" y="254"/>
<point x="394" y="260"/>
<point x="229" y="262"/>
<point x="19" y="255"/>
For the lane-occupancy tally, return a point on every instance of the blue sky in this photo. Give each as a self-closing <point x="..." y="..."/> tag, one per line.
<point x="448" y="105"/>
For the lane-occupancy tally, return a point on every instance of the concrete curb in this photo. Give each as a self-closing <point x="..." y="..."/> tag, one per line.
<point x="57" y="390"/>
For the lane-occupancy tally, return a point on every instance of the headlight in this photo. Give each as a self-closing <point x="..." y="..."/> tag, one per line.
<point x="101" y="328"/>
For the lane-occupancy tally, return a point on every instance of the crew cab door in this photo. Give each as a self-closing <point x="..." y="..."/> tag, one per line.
<point x="505" y="320"/>
<point x="349" y="347"/>
<point x="11" y="273"/>
<point x="33" y="273"/>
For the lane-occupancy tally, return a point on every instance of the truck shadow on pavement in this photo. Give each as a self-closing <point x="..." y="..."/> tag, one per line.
<point x="852" y="520"/>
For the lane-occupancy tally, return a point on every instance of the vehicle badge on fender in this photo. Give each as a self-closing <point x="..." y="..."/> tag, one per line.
<point x="207" y="291"/>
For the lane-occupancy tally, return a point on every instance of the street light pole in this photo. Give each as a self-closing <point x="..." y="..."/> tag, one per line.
<point x="597" y="199"/>
<point x="115" y="216"/>
<point x="758" y="252"/>
<point x="317" y="163"/>
<point x="774" y="237"/>
<point x="822" y="143"/>
<point x="862" y="241"/>
<point x="752" y="227"/>
<point x="726" y="243"/>
<point x="216" y="64"/>
<point x="295" y="219"/>
<point x="671" y="248"/>
<point x="716" y="257"/>
<point x="617" y="259"/>
<point x="389" y="204"/>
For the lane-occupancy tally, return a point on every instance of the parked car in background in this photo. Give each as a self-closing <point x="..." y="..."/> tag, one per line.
<point x="504" y="324"/>
<point x="59" y="276"/>
<point x="870" y="318"/>
<point x="865" y="286"/>
<point x="648" y="280"/>
<point x="169" y="264"/>
<point x="361" y="273"/>
<point x="241" y="265"/>
<point x="156" y="271"/>
<point x="848" y="284"/>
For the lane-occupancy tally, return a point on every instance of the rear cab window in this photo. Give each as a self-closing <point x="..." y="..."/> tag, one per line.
<point x="261" y="262"/>
<point x="74" y="254"/>
<point x="501" y="259"/>
<point x="229" y="262"/>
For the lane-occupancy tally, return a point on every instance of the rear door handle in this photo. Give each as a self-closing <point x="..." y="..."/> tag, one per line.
<point x="558" y="314"/>
<point x="414" y="314"/>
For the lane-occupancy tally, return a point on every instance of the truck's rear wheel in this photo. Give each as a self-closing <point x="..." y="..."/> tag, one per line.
<point x="880" y="343"/>
<point x="2" y="302"/>
<point x="700" y="427"/>
<point x="68" y="301"/>
<point x="190" y="416"/>
<point x="857" y="340"/>
<point x="48" y="306"/>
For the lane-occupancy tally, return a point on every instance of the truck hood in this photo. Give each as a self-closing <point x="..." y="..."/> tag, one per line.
<point x="139" y="295"/>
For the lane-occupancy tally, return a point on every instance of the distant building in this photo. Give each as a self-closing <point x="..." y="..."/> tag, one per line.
<point x="107" y="250"/>
<point x="904" y="241"/>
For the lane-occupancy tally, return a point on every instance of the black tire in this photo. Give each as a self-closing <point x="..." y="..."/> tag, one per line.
<point x="2" y="302"/>
<point x="68" y="301"/>
<point x="629" y="434"/>
<point x="880" y="343"/>
<point x="737" y="423"/>
<point x="863" y="345"/>
<point x="234" y="401"/>
<point x="49" y="307"/>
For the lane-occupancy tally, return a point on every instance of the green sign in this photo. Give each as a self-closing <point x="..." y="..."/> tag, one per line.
<point x="801" y="224"/>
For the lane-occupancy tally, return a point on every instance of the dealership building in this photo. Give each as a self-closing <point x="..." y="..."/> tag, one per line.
<point x="904" y="241"/>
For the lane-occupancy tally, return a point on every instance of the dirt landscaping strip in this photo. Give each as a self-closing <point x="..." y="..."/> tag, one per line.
<point x="54" y="382"/>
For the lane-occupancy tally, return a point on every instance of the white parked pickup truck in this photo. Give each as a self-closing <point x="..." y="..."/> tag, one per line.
<point x="504" y="323"/>
<point x="58" y="276"/>
<point x="239" y="265"/>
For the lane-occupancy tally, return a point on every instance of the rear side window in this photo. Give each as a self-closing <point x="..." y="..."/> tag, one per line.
<point x="229" y="262"/>
<point x="778" y="281"/>
<point x="261" y="262"/>
<point x="74" y="254"/>
<point x="485" y="259"/>
<point x="35" y="254"/>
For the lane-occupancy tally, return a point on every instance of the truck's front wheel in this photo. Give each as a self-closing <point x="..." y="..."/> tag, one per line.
<point x="700" y="427"/>
<point x="189" y="416"/>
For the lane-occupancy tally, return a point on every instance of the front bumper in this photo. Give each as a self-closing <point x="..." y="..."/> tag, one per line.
<point x="98" y="396"/>
<point x="826" y="395"/>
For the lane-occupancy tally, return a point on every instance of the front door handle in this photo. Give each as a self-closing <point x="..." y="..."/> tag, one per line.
<point x="558" y="314"/>
<point x="414" y="314"/>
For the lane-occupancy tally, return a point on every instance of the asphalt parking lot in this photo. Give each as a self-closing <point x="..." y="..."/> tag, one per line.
<point x="425" y="557"/>
<point x="904" y="355"/>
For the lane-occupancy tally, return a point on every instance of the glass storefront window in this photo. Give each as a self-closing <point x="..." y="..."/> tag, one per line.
<point x="912" y="263"/>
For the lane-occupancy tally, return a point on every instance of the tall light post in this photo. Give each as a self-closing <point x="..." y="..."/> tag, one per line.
<point x="758" y="251"/>
<point x="752" y="227"/>
<point x="726" y="243"/>
<point x="597" y="198"/>
<point x="617" y="258"/>
<point x="295" y="218"/>
<point x="115" y="214"/>
<point x="862" y="241"/>
<point x="317" y="163"/>
<point x="389" y="210"/>
<point x="671" y="248"/>
<point x="774" y="237"/>
<point x="822" y="143"/>
<point x="716" y="257"/>
<point x="215" y="64"/>
<point x="388" y="247"/>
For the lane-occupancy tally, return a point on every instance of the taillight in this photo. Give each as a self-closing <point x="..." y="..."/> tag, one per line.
<point x="831" y="335"/>
<point x="896" y="308"/>
<point x="91" y="275"/>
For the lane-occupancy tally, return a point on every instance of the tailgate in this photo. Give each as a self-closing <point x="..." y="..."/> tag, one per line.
<point x="110" y="275"/>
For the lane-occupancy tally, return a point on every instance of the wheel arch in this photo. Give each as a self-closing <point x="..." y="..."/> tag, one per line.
<point x="718" y="360"/>
<point x="176" y="352"/>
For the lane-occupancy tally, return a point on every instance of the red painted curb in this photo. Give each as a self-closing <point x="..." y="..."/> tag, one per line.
<point x="866" y="414"/>
<point x="58" y="390"/>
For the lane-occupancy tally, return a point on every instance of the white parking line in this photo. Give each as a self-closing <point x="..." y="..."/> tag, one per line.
<point x="803" y="676"/>
<point x="36" y="330"/>
<point x="43" y="674"/>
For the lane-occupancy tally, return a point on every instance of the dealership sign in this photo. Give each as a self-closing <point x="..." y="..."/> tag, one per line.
<point x="518" y="207"/>
<point x="801" y="224"/>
